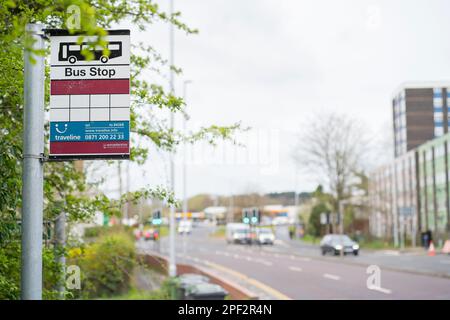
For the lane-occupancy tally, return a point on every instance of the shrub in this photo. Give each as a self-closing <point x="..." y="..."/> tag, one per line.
<point x="98" y="231"/>
<point x="106" y="265"/>
<point x="10" y="266"/>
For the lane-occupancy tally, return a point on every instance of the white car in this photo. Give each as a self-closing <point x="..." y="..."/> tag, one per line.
<point x="185" y="227"/>
<point x="265" y="236"/>
<point x="238" y="233"/>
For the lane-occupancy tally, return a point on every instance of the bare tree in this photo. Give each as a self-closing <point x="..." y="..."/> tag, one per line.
<point x="332" y="146"/>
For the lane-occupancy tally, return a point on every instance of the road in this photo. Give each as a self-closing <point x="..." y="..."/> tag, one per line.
<point x="290" y="270"/>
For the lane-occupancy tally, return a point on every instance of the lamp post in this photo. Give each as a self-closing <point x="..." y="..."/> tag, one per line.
<point x="185" y="118"/>
<point x="185" y="204"/>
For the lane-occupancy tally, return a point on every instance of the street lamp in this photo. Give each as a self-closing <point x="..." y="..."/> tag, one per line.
<point x="185" y="118"/>
<point x="185" y="204"/>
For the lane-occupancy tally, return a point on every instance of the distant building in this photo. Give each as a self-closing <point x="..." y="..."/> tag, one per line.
<point x="412" y="194"/>
<point x="420" y="114"/>
<point x="392" y="188"/>
<point x="434" y="171"/>
<point x="215" y="214"/>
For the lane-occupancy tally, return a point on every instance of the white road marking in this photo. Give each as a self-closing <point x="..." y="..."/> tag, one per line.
<point x="303" y="259"/>
<point x="297" y="269"/>
<point x="331" y="276"/>
<point x="264" y="262"/>
<point x="391" y="252"/>
<point x="382" y="290"/>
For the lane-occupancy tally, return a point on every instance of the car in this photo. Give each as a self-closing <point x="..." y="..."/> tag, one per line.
<point x="151" y="234"/>
<point x="337" y="244"/>
<point x="265" y="236"/>
<point x="185" y="227"/>
<point x="238" y="233"/>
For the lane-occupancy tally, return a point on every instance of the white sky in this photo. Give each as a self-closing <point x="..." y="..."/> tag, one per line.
<point x="271" y="63"/>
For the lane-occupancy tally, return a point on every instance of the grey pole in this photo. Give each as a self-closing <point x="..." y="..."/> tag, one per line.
<point x="32" y="190"/>
<point x="172" y="262"/>
<point x="60" y="242"/>
<point x="341" y="222"/>
<point x="185" y="204"/>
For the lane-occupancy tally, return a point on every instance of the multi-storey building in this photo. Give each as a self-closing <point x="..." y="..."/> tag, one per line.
<point x="393" y="199"/>
<point x="412" y="194"/>
<point x="434" y="185"/>
<point x="420" y="114"/>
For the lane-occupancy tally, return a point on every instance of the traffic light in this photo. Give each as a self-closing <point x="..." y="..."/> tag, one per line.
<point x="245" y="216"/>
<point x="255" y="216"/>
<point x="156" y="217"/>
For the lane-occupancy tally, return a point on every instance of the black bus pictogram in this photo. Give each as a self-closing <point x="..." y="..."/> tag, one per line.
<point x="71" y="51"/>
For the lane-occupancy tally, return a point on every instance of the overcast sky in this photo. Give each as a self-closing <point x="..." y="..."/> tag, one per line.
<point x="272" y="63"/>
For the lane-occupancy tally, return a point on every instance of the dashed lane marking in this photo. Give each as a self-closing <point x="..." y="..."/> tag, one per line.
<point x="264" y="262"/>
<point x="296" y="269"/>
<point x="331" y="276"/>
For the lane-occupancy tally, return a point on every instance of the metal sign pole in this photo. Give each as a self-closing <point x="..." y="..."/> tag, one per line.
<point x="33" y="177"/>
<point x="172" y="262"/>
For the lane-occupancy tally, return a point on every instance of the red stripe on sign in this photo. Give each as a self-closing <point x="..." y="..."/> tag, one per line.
<point x="112" y="86"/>
<point x="88" y="148"/>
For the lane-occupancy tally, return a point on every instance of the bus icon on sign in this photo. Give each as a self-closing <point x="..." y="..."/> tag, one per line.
<point x="71" y="51"/>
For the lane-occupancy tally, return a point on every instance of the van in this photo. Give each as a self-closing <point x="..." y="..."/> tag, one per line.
<point x="238" y="233"/>
<point x="185" y="226"/>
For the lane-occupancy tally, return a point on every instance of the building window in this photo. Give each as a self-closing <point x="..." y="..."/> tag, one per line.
<point x="437" y="92"/>
<point x="438" y="130"/>
<point x="438" y="102"/>
<point x="440" y="151"/>
<point x="438" y="117"/>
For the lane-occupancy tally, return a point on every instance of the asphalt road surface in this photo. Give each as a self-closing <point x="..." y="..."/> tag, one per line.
<point x="291" y="270"/>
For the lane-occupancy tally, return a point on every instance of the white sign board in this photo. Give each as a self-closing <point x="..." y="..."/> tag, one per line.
<point x="89" y="99"/>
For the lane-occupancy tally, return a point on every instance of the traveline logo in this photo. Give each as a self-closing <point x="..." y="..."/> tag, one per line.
<point x="70" y="137"/>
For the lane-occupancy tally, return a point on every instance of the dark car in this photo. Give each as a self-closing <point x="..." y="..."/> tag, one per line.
<point x="337" y="244"/>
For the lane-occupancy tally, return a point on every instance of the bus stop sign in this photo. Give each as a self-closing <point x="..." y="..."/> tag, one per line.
<point x="89" y="99"/>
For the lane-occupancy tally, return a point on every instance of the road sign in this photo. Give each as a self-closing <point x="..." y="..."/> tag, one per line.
<point x="89" y="99"/>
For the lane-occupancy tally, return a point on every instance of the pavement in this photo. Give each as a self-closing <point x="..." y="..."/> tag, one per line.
<point x="293" y="270"/>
